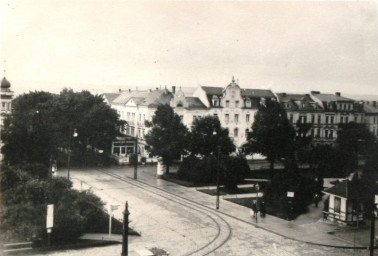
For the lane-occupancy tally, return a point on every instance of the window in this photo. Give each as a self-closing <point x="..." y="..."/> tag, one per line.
<point x="227" y="103"/>
<point x="246" y="133"/>
<point x="331" y="134"/>
<point x="133" y="116"/>
<point x="132" y="131"/>
<point x="317" y="133"/>
<point x="326" y="134"/>
<point x="226" y="117"/>
<point x="312" y="132"/>
<point x="216" y="115"/>
<point x="337" y="207"/>
<point x="3" y="105"/>
<point x="236" y="132"/>
<point x="312" y="118"/>
<point x="319" y="119"/>
<point x="247" y="117"/>
<point x="347" y="119"/>
<point x="327" y="119"/>
<point x="140" y="117"/>
<point x="144" y="117"/>
<point x="215" y="101"/>
<point x="291" y="118"/>
<point x="128" y="115"/>
<point x="236" y="104"/>
<point x="341" y="119"/>
<point x="248" y="103"/>
<point x="356" y="118"/>
<point x="332" y="119"/>
<point x="236" y="117"/>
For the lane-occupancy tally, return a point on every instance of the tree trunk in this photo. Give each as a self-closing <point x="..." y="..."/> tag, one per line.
<point x="271" y="165"/>
<point x="167" y="169"/>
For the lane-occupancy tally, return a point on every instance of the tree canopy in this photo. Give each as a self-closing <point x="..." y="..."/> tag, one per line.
<point x="207" y="135"/>
<point x="168" y="137"/>
<point x="42" y="126"/>
<point x="272" y="134"/>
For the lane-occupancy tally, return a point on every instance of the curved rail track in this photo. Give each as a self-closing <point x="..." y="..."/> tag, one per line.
<point x="223" y="233"/>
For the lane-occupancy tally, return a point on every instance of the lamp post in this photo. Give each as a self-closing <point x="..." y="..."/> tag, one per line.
<point x="290" y="195"/>
<point x="372" y="225"/>
<point x="257" y="188"/>
<point x="136" y="158"/>
<point x="69" y="153"/>
<point x="218" y="167"/>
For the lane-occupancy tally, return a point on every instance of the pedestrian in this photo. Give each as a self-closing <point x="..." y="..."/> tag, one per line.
<point x="316" y="199"/>
<point x="262" y="208"/>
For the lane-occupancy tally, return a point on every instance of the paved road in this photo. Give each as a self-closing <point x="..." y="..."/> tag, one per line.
<point x="181" y="226"/>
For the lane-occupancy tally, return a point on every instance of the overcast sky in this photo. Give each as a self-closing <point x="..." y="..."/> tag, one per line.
<point x="106" y="45"/>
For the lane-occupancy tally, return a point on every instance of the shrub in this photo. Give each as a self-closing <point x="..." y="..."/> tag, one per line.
<point x="232" y="169"/>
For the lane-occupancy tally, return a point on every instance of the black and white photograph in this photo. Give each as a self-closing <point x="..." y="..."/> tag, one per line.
<point x="189" y="128"/>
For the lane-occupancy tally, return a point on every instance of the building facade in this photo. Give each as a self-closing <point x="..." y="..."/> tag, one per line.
<point x="323" y="111"/>
<point x="6" y="105"/>
<point x="236" y="107"/>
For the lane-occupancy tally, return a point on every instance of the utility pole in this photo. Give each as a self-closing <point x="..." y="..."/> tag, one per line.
<point x="136" y="159"/>
<point x="125" y="230"/>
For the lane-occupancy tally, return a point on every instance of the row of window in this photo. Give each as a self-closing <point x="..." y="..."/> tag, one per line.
<point x="236" y="118"/>
<point x="131" y="131"/>
<point x="329" y="134"/>
<point x="329" y="119"/>
<point x="217" y="103"/>
<point x="131" y="116"/>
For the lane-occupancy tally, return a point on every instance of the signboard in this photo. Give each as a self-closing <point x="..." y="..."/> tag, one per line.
<point x="50" y="216"/>
<point x="290" y="194"/>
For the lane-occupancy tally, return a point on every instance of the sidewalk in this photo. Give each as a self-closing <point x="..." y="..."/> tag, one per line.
<point x="308" y="228"/>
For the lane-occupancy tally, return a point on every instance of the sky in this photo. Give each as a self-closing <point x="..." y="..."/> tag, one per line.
<point x="106" y="45"/>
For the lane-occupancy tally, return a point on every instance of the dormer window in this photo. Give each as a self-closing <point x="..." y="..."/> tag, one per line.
<point x="179" y="104"/>
<point x="248" y="103"/>
<point x="215" y="101"/>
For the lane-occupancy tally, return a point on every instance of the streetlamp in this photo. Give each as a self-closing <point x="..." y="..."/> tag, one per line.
<point x="218" y="167"/>
<point x="69" y="153"/>
<point x="255" y="203"/>
<point x="372" y="225"/>
<point x="290" y="195"/>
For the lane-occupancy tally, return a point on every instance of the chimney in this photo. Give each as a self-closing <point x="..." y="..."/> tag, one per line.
<point x="338" y="94"/>
<point x="119" y="90"/>
<point x="129" y="90"/>
<point x="315" y="92"/>
<point x="173" y="89"/>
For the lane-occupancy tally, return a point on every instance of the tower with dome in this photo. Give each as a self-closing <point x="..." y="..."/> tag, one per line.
<point x="6" y="99"/>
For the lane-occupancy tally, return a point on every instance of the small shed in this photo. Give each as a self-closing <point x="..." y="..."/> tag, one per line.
<point x="344" y="204"/>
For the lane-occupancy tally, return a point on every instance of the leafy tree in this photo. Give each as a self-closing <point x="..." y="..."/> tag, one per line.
<point x="354" y="140"/>
<point x="207" y="135"/>
<point x="42" y="124"/>
<point x="303" y="141"/>
<point x="168" y="137"/>
<point x="272" y="134"/>
<point x="24" y="208"/>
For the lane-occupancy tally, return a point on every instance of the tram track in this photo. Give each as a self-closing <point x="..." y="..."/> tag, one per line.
<point x="224" y="231"/>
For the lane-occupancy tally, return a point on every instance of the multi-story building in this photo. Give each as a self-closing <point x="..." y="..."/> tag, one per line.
<point x="6" y="104"/>
<point x="371" y="116"/>
<point x="324" y="111"/>
<point x="234" y="106"/>
<point x="135" y="107"/>
<point x="6" y="99"/>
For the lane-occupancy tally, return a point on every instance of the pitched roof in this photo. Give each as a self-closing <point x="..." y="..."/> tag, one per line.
<point x="213" y="90"/>
<point x="257" y="93"/>
<point x="194" y="102"/>
<point x="330" y="97"/>
<point x="370" y="109"/>
<point x="343" y="189"/>
<point x="151" y="98"/>
<point x="111" y="96"/>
